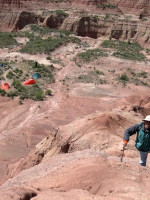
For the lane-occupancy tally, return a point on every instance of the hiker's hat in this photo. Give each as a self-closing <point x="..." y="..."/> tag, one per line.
<point x="147" y="118"/>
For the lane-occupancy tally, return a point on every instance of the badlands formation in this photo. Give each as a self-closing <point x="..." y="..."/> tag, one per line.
<point x="68" y="145"/>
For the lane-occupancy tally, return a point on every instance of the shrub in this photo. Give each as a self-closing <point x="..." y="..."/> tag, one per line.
<point x="99" y="72"/>
<point x="95" y="18"/>
<point x="12" y="94"/>
<point x="2" y="92"/>
<point x="20" y="102"/>
<point x="142" y="74"/>
<point x="61" y="13"/>
<point x="10" y="75"/>
<point x="48" y="58"/>
<point x="48" y="92"/>
<point x="35" y="93"/>
<point x="124" y="77"/>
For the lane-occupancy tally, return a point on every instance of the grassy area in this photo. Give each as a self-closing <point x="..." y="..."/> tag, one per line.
<point x="23" y="34"/>
<point x="35" y="28"/>
<point x="125" y="50"/>
<point x="108" y="5"/>
<point x="93" y="54"/>
<point x="6" y="40"/>
<point x="36" y="43"/>
<point x="39" y="45"/>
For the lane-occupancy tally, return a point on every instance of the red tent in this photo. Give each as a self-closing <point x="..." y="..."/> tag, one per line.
<point x="29" y="82"/>
<point x="5" y="86"/>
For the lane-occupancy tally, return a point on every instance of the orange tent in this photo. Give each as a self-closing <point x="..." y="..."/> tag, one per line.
<point x="29" y="82"/>
<point x="5" y="86"/>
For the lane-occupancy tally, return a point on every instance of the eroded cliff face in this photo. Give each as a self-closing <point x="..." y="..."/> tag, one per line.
<point x="135" y="7"/>
<point x="121" y="29"/>
<point x="11" y="3"/>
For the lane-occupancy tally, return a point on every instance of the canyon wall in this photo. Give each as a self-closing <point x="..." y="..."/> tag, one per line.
<point x="15" y="16"/>
<point x="121" y="29"/>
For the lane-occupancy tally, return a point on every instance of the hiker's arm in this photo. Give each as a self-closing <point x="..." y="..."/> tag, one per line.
<point x="130" y="131"/>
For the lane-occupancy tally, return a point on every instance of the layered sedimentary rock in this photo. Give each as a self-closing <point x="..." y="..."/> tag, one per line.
<point x="11" y="3"/>
<point x="122" y="29"/>
<point x="135" y="7"/>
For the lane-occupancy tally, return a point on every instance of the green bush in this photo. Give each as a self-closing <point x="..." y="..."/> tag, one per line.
<point x="20" y="102"/>
<point x="10" y="75"/>
<point x="2" y="92"/>
<point x="35" y="93"/>
<point x="142" y="74"/>
<point x="48" y="92"/>
<point x="48" y="58"/>
<point x="12" y="94"/>
<point x="124" y="77"/>
<point x="99" y="72"/>
<point x="61" y="13"/>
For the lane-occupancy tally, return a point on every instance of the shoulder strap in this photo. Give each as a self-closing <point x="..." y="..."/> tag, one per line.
<point x="140" y="126"/>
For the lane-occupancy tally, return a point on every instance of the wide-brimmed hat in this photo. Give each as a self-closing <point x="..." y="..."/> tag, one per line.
<point x="147" y="118"/>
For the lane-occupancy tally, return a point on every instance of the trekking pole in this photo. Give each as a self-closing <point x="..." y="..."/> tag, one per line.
<point x="122" y="154"/>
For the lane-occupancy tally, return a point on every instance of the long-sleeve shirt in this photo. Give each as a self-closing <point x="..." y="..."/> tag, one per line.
<point x="142" y="142"/>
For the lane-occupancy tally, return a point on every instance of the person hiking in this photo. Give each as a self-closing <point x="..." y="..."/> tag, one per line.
<point x="142" y="142"/>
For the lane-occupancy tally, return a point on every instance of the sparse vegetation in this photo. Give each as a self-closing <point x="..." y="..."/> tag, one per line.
<point x="99" y="72"/>
<point x="148" y="51"/>
<point x="35" y="28"/>
<point x="45" y="71"/>
<point x="142" y="74"/>
<point x="125" y="50"/>
<point x="89" y="55"/>
<point x="39" y="45"/>
<point x="95" y="18"/>
<point x="6" y="40"/>
<point x="109" y="5"/>
<point x="144" y="19"/>
<point x="33" y="92"/>
<point x="123" y="78"/>
<point x="91" y="77"/>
